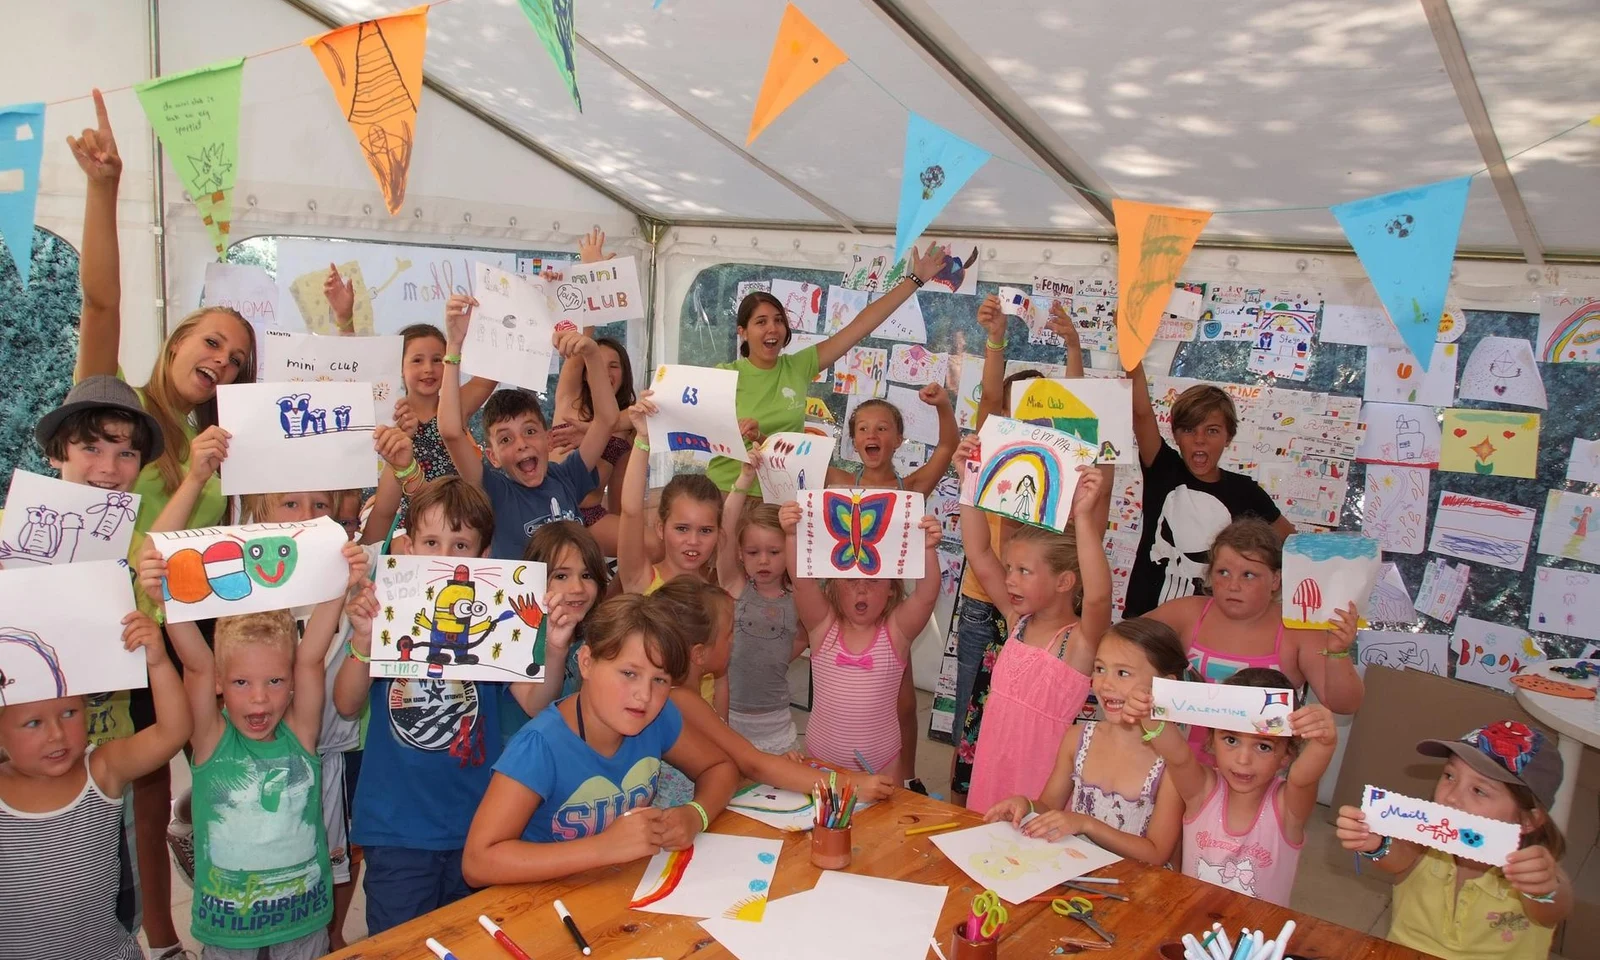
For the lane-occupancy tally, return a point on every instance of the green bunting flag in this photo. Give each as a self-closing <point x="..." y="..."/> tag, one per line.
<point x="552" y="21"/>
<point x="196" y="116"/>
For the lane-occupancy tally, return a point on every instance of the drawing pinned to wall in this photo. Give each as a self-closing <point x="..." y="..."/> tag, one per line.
<point x="719" y="876"/>
<point x="224" y="571"/>
<point x="1358" y="325"/>
<point x="1571" y="527"/>
<point x="1452" y="322"/>
<point x="1499" y="443"/>
<point x="1027" y="472"/>
<point x="306" y="290"/>
<point x="970" y="391"/>
<point x="1224" y="322"/>
<point x="861" y="534"/>
<point x="1324" y="573"/>
<point x="375" y="70"/>
<point x="1040" y="311"/>
<point x="1443" y="585"/>
<point x="510" y="336"/>
<point x="860" y="372"/>
<point x="308" y="436"/>
<point x="1569" y="329"/>
<point x="1395" y="376"/>
<point x="61" y="632"/>
<point x="196" y="116"/>
<point x="791" y="462"/>
<point x="1400" y="434"/>
<point x="1482" y="531"/>
<point x="802" y="303"/>
<point x="287" y="357"/>
<point x="874" y="269"/>
<point x="695" y="411"/>
<point x="1490" y="654"/>
<point x="842" y="306"/>
<point x="914" y="363"/>
<point x="1390" y="601"/>
<point x="552" y="22"/>
<point x="999" y="857"/>
<point x="1435" y="825"/>
<point x="1584" y="463"/>
<point x="1094" y="311"/>
<point x="1427" y="652"/>
<point x="1283" y="342"/>
<point x="247" y="289"/>
<point x="957" y="267"/>
<point x="921" y="419"/>
<point x="1098" y="412"/>
<point x="1181" y="320"/>
<point x="449" y="619"/>
<point x="1155" y="241"/>
<point x="51" y="521"/>
<point x="1394" y="510"/>
<point x="747" y="287"/>
<point x="1502" y="370"/>
<point x="1565" y="602"/>
<point x="906" y="323"/>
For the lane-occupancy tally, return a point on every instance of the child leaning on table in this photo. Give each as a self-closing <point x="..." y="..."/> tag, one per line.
<point x="1460" y="909"/>
<point x="574" y="788"/>
<point x="1243" y="824"/>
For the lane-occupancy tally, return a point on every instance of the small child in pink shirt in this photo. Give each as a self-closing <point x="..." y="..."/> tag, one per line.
<point x="1244" y="823"/>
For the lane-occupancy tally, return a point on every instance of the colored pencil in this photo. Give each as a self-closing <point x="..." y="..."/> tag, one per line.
<point x="918" y="831"/>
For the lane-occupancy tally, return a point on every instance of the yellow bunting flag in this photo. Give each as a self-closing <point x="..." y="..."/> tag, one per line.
<point x="1152" y="244"/>
<point x="375" y="69"/>
<point x="801" y="56"/>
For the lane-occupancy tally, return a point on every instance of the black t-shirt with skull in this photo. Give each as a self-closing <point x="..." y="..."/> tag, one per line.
<point x="1182" y="515"/>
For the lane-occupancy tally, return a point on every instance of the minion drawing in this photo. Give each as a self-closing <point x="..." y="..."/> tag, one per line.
<point x="459" y="623"/>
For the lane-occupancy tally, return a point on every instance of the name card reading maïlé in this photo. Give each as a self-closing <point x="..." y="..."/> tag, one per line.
<point x="1440" y="827"/>
<point x="1263" y="711"/>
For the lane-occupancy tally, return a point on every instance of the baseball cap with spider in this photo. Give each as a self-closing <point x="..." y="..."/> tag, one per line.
<point x="1508" y="751"/>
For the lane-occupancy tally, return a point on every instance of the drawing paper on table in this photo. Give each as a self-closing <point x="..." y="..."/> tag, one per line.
<point x="1502" y="370"/>
<point x="1028" y="472"/>
<point x="792" y="462"/>
<point x="1323" y="573"/>
<point x="1565" y="602"/>
<point x="61" y="631"/>
<point x="1502" y="443"/>
<point x="1435" y="825"/>
<point x="1584" y="464"/>
<point x="287" y="357"/>
<point x="1491" y="654"/>
<point x="1098" y="412"/>
<point x="842" y="306"/>
<point x="1394" y="376"/>
<point x="776" y="807"/>
<point x="1402" y="434"/>
<point x="1390" y="601"/>
<point x="1482" y="531"/>
<point x="861" y="534"/>
<point x="860" y="371"/>
<point x="1569" y="329"/>
<point x="802" y="303"/>
<point x="1394" y="509"/>
<point x="999" y="857"/>
<point x="695" y="412"/>
<point x="719" y="876"/>
<point x="1427" y="652"/>
<point x="1263" y="711"/>
<point x="1569" y="521"/>
<point x="225" y="571"/>
<point x="790" y="929"/>
<point x="50" y="521"/>
<point x="448" y="618"/>
<point x="299" y="436"/>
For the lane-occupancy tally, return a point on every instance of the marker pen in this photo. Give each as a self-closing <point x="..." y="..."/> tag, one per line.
<point x="572" y="928"/>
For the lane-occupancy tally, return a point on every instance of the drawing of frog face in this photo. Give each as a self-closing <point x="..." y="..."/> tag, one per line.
<point x="270" y="561"/>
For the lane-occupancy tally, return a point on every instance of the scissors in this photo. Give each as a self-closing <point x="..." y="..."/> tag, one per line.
<point x="1097" y="891"/>
<point x="1079" y="908"/>
<point x="992" y="912"/>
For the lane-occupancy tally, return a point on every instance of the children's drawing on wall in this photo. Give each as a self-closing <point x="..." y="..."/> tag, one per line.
<point x="1502" y="370"/>
<point x="914" y="363"/>
<point x="1483" y="531"/>
<point x="1094" y="310"/>
<point x="1501" y="443"/>
<point x="1569" y="330"/>
<point x="1390" y="601"/>
<point x="444" y="619"/>
<point x="225" y="571"/>
<point x="860" y="372"/>
<point x="317" y="437"/>
<point x="1565" y="602"/>
<point x="307" y="291"/>
<point x="1181" y="320"/>
<point x="1394" y="508"/>
<point x="72" y="645"/>
<point x="802" y="303"/>
<point x="842" y="306"/>
<point x="1028" y="472"/>
<point x="1584" y="463"/>
<point x="956" y="273"/>
<point x="861" y="534"/>
<point x="50" y="521"/>
<point x="1401" y="434"/>
<point x="1490" y="653"/>
<point x="1098" y="412"/>
<point x="1395" y="376"/>
<point x="1283" y="342"/>
<point x="874" y="269"/>
<point x="1569" y="528"/>
<point x="1427" y="652"/>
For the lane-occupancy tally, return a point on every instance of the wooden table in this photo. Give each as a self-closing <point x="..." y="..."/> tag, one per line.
<point x="1165" y="905"/>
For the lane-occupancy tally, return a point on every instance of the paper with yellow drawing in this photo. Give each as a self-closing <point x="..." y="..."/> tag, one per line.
<point x="999" y="857"/>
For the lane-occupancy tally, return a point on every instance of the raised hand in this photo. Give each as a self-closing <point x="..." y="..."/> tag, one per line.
<point x="1060" y="323"/>
<point x="932" y="529"/>
<point x="457" y="317"/>
<point x="750" y="430"/>
<point x="362" y="609"/>
<point x="405" y="418"/>
<point x="1351" y="829"/>
<point x="993" y="319"/>
<point x="640" y="413"/>
<point x="789" y="517"/>
<point x="152" y="573"/>
<point x="207" y="451"/>
<point x="925" y="265"/>
<point x="573" y="343"/>
<point x="1089" y="485"/>
<point x="1314" y="722"/>
<point x="360" y="566"/>
<point x="1533" y="871"/>
<point x="934" y="395"/>
<point x="138" y="630"/>
<point x="1342" y="630"/>
<point x="592" y="247"/>
<point x="967" y="449"/>
<point x="341" y="294"/>
<point x="394" y="446"/>
<point x="96" y="150"/>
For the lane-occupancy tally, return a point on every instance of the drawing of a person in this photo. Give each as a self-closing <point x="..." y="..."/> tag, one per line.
<point x="1580" y="531"/>
<point x="1027" y="490"/>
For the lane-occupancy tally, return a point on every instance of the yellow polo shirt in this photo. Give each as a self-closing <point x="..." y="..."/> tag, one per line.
<point x="1485" y="920"/>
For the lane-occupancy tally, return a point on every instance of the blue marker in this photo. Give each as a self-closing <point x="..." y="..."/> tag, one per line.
<point x="439" y="950"/>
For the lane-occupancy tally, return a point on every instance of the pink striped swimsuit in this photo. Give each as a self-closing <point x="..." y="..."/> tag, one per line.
<point x="853" y="706"/>
<point x="1214" y="666"/>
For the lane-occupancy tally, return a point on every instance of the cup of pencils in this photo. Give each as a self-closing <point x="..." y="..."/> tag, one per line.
<point x="978" y="936"/>
<point x="830" y="835"/>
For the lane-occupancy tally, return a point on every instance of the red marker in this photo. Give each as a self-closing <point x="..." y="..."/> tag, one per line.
<point x="509" y="945"/>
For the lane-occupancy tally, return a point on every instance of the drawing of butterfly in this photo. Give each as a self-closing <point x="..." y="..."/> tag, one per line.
<point x="857" y="524"/>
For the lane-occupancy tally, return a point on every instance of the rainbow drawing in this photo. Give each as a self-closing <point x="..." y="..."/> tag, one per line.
<point x="1572" y="339"/>
<point x="667" y="880"/>
<point x="1023" y="481"/>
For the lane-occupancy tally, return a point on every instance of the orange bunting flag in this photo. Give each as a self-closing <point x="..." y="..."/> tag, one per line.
<point x="1152" y="244"/>
<point x="801" y="56"/>
<point x="375" y="69"/>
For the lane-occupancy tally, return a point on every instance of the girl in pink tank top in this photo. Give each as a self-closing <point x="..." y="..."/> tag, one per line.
<point x="1041" y="679"/>
<point x="1243" y="822"/>
<point x="859" y="632"/>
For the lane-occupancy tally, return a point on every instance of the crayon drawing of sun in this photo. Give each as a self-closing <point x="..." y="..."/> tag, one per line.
<point x="751" y="909"/>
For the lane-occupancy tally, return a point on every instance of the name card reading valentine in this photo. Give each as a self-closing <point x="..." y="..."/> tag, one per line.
<point x="1435" y="825"/>
<point x="1263" y="711"/>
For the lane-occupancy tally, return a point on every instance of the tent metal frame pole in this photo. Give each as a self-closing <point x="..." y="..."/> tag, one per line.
<point x="158" y="195"/>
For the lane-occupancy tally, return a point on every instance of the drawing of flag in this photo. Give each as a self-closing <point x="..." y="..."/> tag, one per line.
<point x="1276" y="698"/>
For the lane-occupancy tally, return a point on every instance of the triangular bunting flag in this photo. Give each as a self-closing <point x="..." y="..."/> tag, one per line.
<point x="196" y="116"/>
<point x="801" y="56"/>
<point x="937" y="165"/>
<point x="552" y="21"/>
<point x="1152" y="244"/>
<point x="21" y="147"/>
<point x="375" y="70"/>
<point x="1406" y="240"/>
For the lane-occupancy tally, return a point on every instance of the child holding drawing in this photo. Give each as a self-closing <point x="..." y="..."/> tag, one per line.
<point x="1451" y="906"/>
<point x="1243" y="823"/>
<point x="1108" y="784"/>
<point x="860" y="634"/>
<point x="542" y="818"/>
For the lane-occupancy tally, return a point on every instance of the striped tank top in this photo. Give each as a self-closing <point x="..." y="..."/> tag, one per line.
<point x="59" y="874"/>
<point x="853" y="704"/>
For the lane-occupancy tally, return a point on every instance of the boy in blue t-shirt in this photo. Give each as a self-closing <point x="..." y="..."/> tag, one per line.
<point x="431" y="744"/>
<point x="525" y="488"/>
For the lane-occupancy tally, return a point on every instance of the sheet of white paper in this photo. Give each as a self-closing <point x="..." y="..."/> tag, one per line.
<point x="1362" y="326"/>
<point x="922" y="420"/>
<point x="1569" y="521"/>
<point x="998" y="857"/>
<point x="695" y="412"/>
<point x="50" y="521"/>
<point x="445" y="618"/>
<point x="842" y="307"/>
<point x="906" y="323"/>
<point x="1428" y="652"/>
<point x="792" y="462"/>
<point x="1053" y="287"/>
<point x="247" y="289"/>
<point x="1263" y="711"/>
<point x="914" y="363"/>
<point x="595" y="294"/>
<point x="802" y="303"/>
<point x="301" y="436"/>
<point x="1502" y="370"/>
<point x="1014" y="301"/>
<point x="1443" y="585"/>
<point x="1394" y="510"/>
<point x="970" y="392"/>
<point x="288" y="357"/>
<point x="1565" y="602"/>
<point x="1229" y="322"/>
<point x="62" y="634"/>
<point x="1097" y="411"/>
<point x="790" y="929"/>
<point x="861" y="371"/>
<point x="226" y="571"/>
<point x="1435" y="825"/>
<point x="719" y="876"/>
<point x="1027" y="472"/>
<point x="1184" y="304"/>
<point x="747" y="287"/>
<point x="1390" y="601"/>
<point x="1394" y="376"/>
<point x="1324" y="573"/>
<point x="861" y="534"/>
<point x="510" y="335"/>
<point x="1404" y="434"/>
<point x="1491" y="653"/>
<point x="776" y="807"/>
<point x="1583" y="466"/>
<point x="1482" y="531"/>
